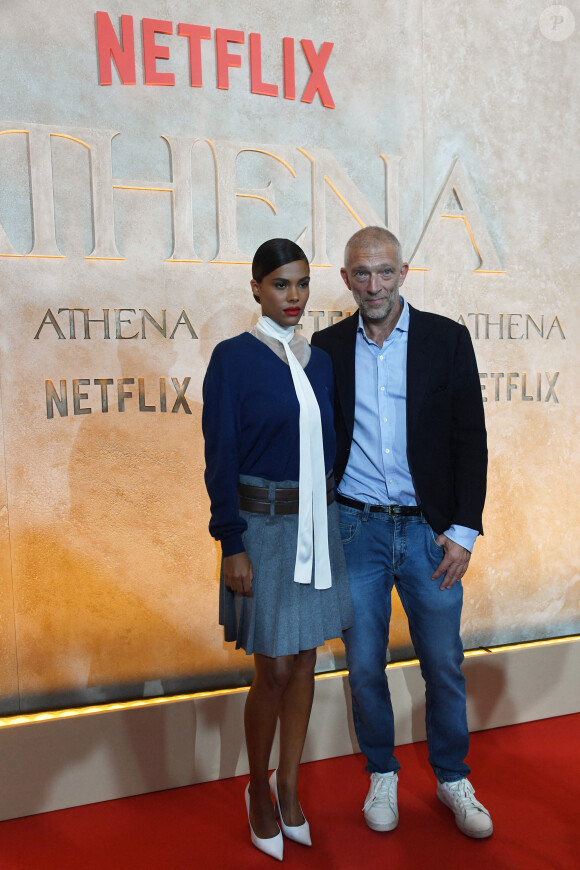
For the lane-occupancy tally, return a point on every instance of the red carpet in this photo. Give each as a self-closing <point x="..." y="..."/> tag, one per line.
<point x="527" y="775"/>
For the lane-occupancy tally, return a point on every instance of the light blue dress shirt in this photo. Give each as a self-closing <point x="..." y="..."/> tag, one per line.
<point x="378" y="470"/>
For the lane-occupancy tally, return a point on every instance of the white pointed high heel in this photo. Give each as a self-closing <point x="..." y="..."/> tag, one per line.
<point x="273" y="846"/>
<point x="298" y="833"/>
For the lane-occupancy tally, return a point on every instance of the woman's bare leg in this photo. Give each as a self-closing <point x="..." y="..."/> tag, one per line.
<point x="294" y="717"/>
<point x="263" y="706"/>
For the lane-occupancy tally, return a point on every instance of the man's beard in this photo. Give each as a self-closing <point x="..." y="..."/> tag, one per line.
<point x="385" y="311"/>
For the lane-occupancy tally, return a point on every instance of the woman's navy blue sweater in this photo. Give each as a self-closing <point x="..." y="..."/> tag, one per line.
<point x="250" y="424"/>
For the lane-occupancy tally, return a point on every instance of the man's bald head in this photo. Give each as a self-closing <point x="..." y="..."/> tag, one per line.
<point x="371" y="237"/>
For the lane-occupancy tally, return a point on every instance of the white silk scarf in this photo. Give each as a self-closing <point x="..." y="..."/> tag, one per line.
<point x="312" y="507"/>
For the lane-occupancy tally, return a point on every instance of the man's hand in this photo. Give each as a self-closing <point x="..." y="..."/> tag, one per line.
<point x="238" y="573"/>
<point x="454" y="563"/>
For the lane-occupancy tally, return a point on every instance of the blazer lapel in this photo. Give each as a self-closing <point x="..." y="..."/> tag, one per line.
<point x="344" y="366"/>
<point x="418" y="351"/>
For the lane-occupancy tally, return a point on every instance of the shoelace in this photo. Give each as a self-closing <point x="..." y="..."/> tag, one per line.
<point x="382" y="793"/>
<point x="464" y="797"/>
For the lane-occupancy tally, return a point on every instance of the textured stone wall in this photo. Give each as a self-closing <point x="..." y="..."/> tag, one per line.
<point x="128" y="217"/>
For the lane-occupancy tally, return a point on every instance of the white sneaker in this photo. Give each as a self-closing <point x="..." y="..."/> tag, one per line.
<point x="380" y="807"/>
<point x="471" y="817"/>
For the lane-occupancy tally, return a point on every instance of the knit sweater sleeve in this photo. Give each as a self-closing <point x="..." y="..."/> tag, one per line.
<point x="221" y="431"/>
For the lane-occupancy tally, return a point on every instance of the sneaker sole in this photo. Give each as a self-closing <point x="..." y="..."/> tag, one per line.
<point x="477" y="835"/>
<point x="375" y="826"/>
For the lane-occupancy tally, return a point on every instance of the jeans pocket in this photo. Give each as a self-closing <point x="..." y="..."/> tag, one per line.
<point x="349" y="530"/>
<point x="436" y="548"/>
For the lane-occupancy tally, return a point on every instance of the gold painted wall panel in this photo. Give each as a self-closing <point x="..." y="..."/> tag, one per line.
<point x="8" y="660"/>
<point x="128" y="216"/>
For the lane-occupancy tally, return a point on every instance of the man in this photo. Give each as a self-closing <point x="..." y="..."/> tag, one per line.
<point x="411" y="474"/>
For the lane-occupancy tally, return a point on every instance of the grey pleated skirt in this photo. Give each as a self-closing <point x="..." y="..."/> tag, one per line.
<point x="284" y="617"/>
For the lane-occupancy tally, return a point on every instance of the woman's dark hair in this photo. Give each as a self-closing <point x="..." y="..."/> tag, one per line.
<point x="273" y="254"/>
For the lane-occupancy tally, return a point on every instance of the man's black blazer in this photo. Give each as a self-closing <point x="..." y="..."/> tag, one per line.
<point x="446" y="437"/>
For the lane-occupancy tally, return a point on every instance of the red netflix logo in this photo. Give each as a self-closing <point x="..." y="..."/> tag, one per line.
<point x="120" y="50"/>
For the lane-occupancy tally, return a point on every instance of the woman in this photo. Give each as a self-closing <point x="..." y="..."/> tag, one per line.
<point x="269" y="447"/>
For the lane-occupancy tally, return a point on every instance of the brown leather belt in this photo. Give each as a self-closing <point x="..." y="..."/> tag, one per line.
<point x="285" y="499"/>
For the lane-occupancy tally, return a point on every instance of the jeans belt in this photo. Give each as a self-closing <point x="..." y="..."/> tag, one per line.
<point x="285" y="500"/>
<point x="393" y="510"/>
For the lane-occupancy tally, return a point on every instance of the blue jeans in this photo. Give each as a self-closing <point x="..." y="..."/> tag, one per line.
<point x="381" y="551"/>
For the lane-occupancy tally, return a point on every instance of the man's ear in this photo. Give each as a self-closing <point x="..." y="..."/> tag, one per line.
<point x="404" y="270"/>
<point x="344" y="275"/>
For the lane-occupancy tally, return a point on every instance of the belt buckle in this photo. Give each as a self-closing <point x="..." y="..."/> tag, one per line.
<point x="394" y="510"/>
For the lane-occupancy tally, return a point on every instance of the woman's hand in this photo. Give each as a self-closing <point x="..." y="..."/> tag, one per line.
<point x="238" y="573"/>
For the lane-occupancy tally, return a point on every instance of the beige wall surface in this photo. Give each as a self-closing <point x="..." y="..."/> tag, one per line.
<point x="128" y="217"/>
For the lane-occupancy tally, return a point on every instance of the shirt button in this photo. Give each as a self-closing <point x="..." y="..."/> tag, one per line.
<point x="380" y="357"/>
<point x="385" y="420"/>
<point x="382" y="389"/>
<point x="387" y="450"/>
